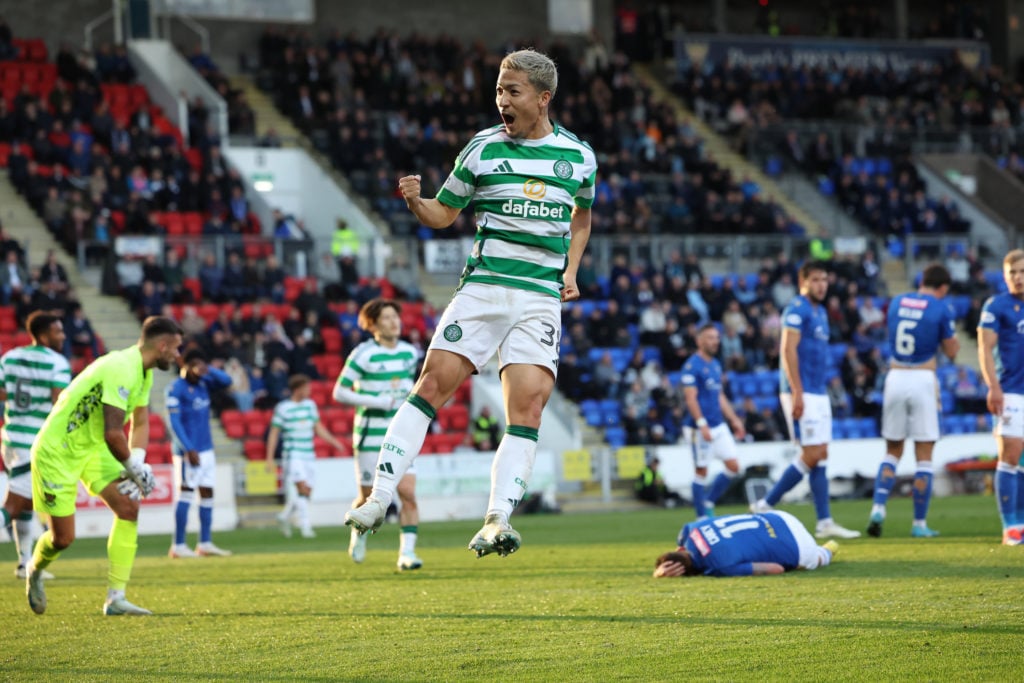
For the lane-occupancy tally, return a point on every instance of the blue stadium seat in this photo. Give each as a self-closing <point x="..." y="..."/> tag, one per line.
<point x="896" y="248"/>
<point x="770" y="402"/>
<point x="615" y="436"/>
<point x="956" y="425"/>
<point x="621" y="358"/>
<point x="868" y="427"/>
<point x="946" y="375"/>
<point x="773" y="167"/>
<point x="767" y="383"/>
<point x="961" y="304"/>
<point x="652" y="353"/>
<point x="884" y="165"/>
<point x="851" y="425"/>
<point x="634" y="334"/>
<point x="837" y="351"/>
<point x="591" y="411"/>
<point x="948" y="402"/>
<point x="838" y="430"/>
<point x="745" y="385"/>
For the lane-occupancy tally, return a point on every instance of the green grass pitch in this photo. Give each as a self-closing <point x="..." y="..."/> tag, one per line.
<point x="576" y="603"/>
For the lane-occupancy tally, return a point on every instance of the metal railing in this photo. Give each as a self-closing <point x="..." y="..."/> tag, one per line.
<point x="103" y="18"/>
<point x="924" y="249"/>
<point x="190" y="23"/>
<point x="717" y="253"/>
<point x="860" y="139"/>
<point x="297" y="257"/>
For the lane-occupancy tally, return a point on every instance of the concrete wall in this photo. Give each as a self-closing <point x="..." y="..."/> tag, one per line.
<point x="994" y="208"/>
<point x="522" y="22"/>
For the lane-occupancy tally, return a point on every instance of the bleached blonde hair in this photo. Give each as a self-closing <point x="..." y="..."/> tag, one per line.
<point x="540" y="70"/>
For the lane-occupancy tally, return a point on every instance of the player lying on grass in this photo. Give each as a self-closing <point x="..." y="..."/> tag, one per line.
<point x="744" y="545"/>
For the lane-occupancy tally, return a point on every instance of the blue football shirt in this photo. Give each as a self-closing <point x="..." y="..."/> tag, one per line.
<point x="1004" y="315"/>
<point x="811" y="321"/>
<point x="728" y="546"/>
<point x="918" y="324"/>
<point x="706" y="377"/>
<point x="188" y="411"/>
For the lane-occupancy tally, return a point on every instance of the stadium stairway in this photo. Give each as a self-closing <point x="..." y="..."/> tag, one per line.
<point x="266" y="114"/>
<point x="725" y="156"/>
<point x="825" y="210"/>
<point x="110" y="316"/>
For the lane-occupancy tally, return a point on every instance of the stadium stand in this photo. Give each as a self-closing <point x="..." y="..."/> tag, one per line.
<point x="96" y="159"/>
<point x="429" y="103"/>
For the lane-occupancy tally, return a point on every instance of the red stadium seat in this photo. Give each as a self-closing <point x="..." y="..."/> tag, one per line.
<point x="37" y="50"/>
<point x="332" y="340"/>
<point x="157" y="428"/>
<point x="192" y="284"/>
<point x="255" y="449"/>
<point x="159" y="453"/>
<point x="193" y="223"/>
<point x="454" y="417"/>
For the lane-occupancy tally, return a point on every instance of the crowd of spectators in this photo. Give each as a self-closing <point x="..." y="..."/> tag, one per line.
<point x="886" y="110"/>
<point x="648" y="317"/>
<point x="386" y="106"/>
<point x="892" y="204"/>
<point x="27" y="287"/>
<point x="646" y="29"/>
<point x="92" y="172"/>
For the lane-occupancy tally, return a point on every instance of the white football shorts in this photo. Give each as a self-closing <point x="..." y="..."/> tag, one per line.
<point x="203" y="475"/>
<point x="721" y="446"/>
<point x="17" y="462"/>
<point x="296" y="470"/>
<point x="811" y="555"/>
<point x="910" y="405"/>
<point x="1011" y="423"/>
<point x="523" y="327"/>
<point x="366" y="467"/>
<point x="815" y="425"/>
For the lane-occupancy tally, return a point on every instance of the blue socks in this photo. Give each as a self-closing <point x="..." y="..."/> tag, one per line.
<point x="699" y="498"/>
<point x="1020" y="493"/>
<point x="922" y="491"/>
<point x="205" y="519"/>
<point x="719" y="485"/>
<point x="181" y="516"/>
<point x="819" y="490"/>
<point x="790" y="478"/>
<point x="885" y="479"/>
<point x="1006" y="493"/>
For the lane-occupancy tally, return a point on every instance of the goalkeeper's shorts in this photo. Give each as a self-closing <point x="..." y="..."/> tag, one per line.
<point x="55" y="478"/>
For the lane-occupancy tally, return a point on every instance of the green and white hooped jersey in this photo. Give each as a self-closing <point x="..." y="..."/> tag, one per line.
<point x="524" y="192"/>
<point x="297" y="421"/>
<point x="28" y="374"/>
<point x="379" y="371"/>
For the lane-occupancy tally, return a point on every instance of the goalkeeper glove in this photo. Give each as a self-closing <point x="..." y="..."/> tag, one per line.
<point x="139" y="472"/>
<point x="129" y="488"/>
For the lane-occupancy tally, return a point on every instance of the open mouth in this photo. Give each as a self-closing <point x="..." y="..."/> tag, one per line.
<point x="508" y="119"/>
